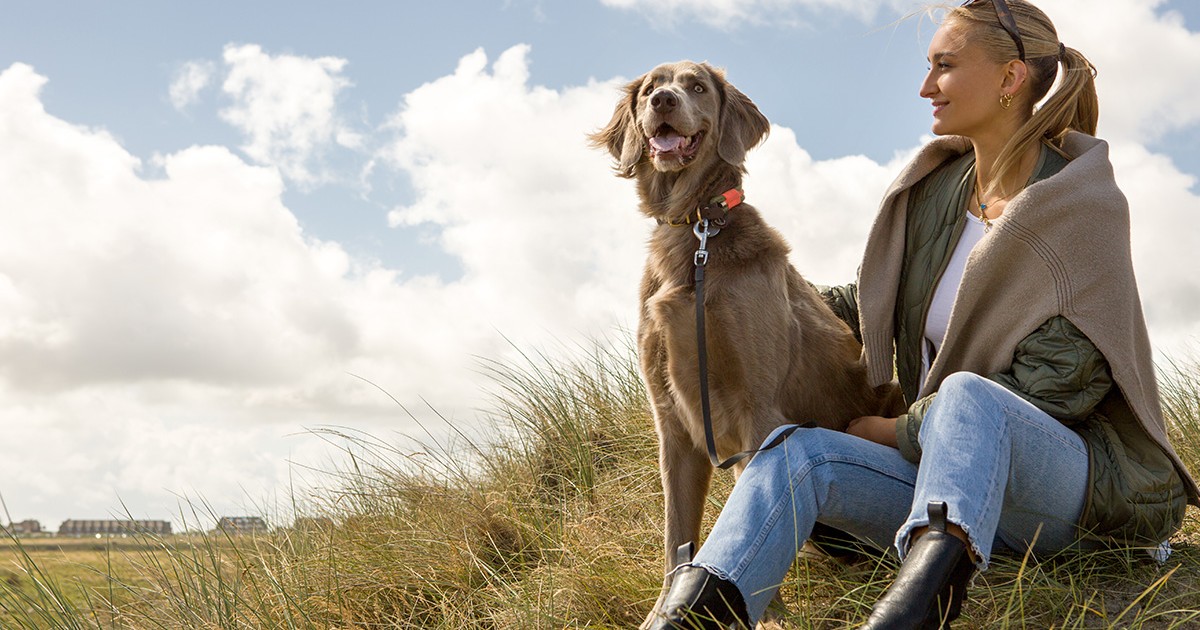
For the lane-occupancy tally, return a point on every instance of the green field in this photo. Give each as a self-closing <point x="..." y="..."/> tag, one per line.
<point x="92" y="577"/>
<point x="552" y="521"/>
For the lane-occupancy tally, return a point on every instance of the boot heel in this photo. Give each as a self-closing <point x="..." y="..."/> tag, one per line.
<point x="684" y="554"/>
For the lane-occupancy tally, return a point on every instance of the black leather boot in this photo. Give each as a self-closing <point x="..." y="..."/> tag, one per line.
<point x="929" y="588"/>
<point x="699" y="600"/>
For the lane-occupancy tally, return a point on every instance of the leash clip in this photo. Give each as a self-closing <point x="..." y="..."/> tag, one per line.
<point x="702" y="232"/>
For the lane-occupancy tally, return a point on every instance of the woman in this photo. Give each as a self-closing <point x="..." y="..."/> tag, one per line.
<point x="997" y="282"/>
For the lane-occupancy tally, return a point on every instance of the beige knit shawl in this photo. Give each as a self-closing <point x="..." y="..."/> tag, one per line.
<point x="1062" y="248"/>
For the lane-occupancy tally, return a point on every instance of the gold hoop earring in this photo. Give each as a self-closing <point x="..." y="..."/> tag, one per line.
<point x="1006" y="100"/>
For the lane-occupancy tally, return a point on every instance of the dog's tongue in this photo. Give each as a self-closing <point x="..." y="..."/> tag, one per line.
<point x="668" y="142"/>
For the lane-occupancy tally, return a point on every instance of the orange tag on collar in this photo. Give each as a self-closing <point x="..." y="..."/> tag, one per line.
<point x="732" y="197"/>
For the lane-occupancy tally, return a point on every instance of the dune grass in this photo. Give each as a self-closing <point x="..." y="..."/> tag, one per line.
<point x="549" y="518"/>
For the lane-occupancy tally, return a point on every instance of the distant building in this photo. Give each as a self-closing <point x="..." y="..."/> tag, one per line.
<point x="24" y="528"/>
<point x="242" y="525"/>
<point x="110" y="528"/>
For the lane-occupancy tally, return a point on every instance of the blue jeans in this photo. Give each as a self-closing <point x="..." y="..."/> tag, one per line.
<point x="1009" y="472"/>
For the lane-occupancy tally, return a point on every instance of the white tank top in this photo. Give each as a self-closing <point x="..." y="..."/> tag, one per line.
<point x="938" y="316"/>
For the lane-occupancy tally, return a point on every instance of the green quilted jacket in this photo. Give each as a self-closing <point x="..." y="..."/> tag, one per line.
<point x="1135" y="494"/>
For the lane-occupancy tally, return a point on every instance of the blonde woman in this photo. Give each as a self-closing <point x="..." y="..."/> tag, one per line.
<point x="997" y="284"/>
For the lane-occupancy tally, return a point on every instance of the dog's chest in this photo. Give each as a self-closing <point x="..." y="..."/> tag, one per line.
<point x="670" y="284"/>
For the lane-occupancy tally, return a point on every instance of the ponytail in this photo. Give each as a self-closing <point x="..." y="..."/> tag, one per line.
<point x="1074" y="105"/>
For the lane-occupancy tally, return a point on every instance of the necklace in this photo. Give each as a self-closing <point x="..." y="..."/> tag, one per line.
<point x="987" y="223"/>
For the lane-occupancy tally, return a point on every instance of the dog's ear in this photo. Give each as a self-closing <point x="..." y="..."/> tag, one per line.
<point x="621" y="136"/>
<point x="742" y="125"/>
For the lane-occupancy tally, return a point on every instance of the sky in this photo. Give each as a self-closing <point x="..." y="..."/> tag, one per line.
<point x="227" y="228"/>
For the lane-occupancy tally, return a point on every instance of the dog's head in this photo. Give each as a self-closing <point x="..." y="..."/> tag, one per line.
<point x="679" y="114"/>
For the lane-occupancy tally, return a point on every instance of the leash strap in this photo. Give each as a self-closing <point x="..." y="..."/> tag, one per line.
<point x="702" y="232"/>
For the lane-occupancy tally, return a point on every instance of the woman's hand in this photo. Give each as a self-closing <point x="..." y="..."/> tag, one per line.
<point x="876" y="429"/>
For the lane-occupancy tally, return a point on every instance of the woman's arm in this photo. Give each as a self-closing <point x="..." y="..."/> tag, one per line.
<point x="876" y="429"/>
<point x="1060" y="371"/>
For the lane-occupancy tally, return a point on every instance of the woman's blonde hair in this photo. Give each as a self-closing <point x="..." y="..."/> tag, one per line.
<point x="1073" y="106"/>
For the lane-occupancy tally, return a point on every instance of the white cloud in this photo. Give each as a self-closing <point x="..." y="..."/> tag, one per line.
<point x="547" y="236"/>
<point x="190" y="79"/>
<point x="287" y="107"/>
<point x="83" y="450"/>
<point x="824" y="208"/>
<point x="119" y="278"/>
<point x="167" y="334"/>
<point x="1162" y="203"/>
<point x="1143" y="94"/>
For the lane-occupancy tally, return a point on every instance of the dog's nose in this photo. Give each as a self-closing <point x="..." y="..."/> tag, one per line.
<point x="663" y="100"/>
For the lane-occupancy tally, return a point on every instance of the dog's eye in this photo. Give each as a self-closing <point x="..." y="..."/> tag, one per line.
<point x="699" y="88"/>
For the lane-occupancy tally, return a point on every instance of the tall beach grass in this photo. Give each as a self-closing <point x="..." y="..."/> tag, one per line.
<point x="549" y="517"/>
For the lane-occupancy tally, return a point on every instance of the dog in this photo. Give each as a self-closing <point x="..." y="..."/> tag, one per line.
<point x="777" y="354"/>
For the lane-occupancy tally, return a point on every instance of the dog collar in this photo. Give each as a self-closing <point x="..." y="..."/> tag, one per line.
<point x="714" y="211"/>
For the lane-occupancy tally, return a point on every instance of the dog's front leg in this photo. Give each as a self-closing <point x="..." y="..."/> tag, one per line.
<point x="686" y="473"/>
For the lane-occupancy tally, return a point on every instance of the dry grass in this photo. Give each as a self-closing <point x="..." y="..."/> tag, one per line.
<point x="552" y="521"/>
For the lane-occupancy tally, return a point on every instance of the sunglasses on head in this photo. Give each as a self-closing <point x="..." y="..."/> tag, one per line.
<point x="1007" y="21"/>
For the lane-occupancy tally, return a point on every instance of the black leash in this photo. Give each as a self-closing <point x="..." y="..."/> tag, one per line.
<point x="703" y="231"/>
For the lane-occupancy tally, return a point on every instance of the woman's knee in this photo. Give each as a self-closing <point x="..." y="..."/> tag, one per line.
<point x="964" y="384"/>
<point x="963" y="397"/>
<point x="967" y="390"/>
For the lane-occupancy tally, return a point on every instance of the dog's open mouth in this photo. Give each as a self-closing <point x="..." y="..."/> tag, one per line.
<point x="667" y="142"/>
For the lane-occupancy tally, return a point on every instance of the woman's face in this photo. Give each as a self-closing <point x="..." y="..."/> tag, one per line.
<point x="963" y="85"/>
